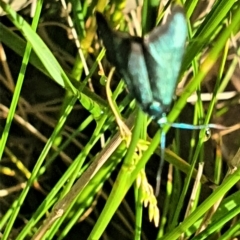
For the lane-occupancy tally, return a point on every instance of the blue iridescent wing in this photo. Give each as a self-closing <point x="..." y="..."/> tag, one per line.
<point x="126" y="54"/>
<point x="164" y="49"/>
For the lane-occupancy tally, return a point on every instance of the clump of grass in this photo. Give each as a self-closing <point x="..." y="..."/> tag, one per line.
<point x="65" y="169"/>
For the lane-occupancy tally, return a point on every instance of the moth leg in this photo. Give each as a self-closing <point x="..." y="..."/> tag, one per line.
<point x="124" y="130"/>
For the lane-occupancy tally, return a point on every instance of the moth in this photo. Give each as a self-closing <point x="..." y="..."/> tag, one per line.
<point x="149" y="65"/>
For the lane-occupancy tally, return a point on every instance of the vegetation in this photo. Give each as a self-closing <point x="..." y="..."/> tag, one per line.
<point x="68" y="173"/>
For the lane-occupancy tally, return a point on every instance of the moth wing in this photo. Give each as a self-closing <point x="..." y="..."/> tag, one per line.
<point x="164" y="49"/>
<point x="126" y="54"/>
<point x="109" y="38"/>
<point x="136" y="75"/>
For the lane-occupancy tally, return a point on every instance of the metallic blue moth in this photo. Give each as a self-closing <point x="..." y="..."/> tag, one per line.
<point x="149" y="65"/>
